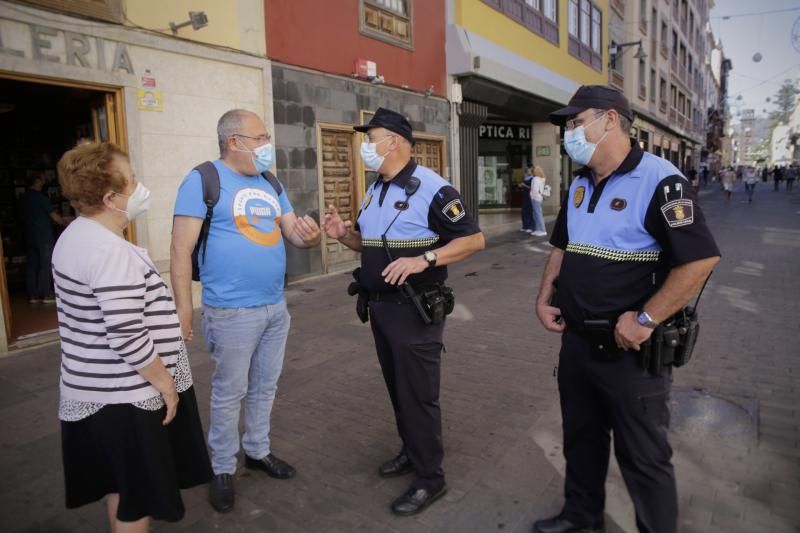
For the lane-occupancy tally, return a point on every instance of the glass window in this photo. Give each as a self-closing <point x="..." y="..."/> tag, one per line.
<point x="398" y="6"/>
<point x="596" y="29"/>
<point x="551" y="10"/>
<point x="387" y="20"/>
<point x="533" y="3"/>
<point x="572" y="18"/>
<point x="653" y="85"/>
<point x="586" y="11"/>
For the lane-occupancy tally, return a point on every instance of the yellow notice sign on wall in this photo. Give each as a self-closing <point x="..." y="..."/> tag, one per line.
<point x="149" y="100"/>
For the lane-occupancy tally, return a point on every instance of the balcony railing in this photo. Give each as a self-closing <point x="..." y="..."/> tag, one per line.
<point x="662" y="106"/>
<point x="664" y="50"/>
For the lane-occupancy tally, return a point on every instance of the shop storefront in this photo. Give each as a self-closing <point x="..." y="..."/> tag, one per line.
<point x="504" y="151"/>
<point x="63" y="80"/>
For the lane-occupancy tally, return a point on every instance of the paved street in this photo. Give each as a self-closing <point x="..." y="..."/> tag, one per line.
<point x="736" y="412"/>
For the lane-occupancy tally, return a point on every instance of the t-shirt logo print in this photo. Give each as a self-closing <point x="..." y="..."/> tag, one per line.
<point x="257" y="215"/>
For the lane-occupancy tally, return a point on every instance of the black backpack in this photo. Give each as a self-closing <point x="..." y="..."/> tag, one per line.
<point x="210" y="176"/>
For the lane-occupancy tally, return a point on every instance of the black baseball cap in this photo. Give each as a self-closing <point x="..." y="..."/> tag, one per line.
<point x="390" y="120"/>
<point x="593" y="97"/>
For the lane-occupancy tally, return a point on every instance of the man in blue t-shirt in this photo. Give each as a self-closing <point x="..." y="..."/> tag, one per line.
<point x="245" y="320"/>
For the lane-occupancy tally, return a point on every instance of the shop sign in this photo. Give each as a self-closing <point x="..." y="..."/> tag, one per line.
<point x="542" y="151"/>
<point x="50" y="45"/>
<point x="508" y="132"/>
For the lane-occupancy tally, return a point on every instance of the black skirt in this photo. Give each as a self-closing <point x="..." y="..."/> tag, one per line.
<point x="126" y="450"/>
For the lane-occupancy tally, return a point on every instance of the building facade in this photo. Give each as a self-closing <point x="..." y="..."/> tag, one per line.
<point x="331" y="69"/>
<point x="511" y="63"/>
<point x="659" y="60"/>
<point x="115" y="70"/>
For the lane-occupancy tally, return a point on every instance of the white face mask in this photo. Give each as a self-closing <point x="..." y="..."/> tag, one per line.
<point x="369" y="153"/>
<point x="138" y="202"/>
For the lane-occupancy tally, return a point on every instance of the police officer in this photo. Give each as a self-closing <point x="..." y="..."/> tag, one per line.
<point x="410" y="225"/>
<point x="631" y="247"/>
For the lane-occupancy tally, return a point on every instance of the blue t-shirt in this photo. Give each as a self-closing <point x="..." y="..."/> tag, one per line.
<point x="245" y="259"/>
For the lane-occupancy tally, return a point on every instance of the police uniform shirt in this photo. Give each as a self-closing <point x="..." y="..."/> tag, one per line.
<point x="622" y="236"/>
<point x="428" y="219"/>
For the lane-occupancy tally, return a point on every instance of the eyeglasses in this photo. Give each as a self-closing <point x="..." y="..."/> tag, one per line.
<point x="373" y="140"/>
<point x="260" y="138"/>
<point x="576" y="122"/>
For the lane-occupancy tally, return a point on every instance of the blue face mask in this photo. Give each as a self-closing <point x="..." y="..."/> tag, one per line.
<point x="579" y="149"/>
<point x="263" y="157"/>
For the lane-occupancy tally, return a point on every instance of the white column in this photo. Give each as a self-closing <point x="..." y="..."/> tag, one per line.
<point x="545" y="141"/>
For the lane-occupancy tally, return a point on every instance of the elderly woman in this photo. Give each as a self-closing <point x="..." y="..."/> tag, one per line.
<point x="130" y="429"/>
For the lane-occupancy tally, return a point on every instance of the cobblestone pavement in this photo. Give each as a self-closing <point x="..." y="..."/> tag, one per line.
<point x="736" y="411"/>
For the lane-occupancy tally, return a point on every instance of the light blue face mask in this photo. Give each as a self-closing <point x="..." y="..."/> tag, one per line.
<point x="579" y="149"/>
<point x="263" y="157"/>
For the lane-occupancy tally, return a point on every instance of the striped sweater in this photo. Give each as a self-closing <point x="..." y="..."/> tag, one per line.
<point x="115" y="315"/>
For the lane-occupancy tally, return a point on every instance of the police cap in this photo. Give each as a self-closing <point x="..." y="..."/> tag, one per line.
<point x="390" y="120"/>
<point x="593" y="97"/>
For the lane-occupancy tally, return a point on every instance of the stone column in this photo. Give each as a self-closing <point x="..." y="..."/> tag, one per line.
<point x="545" y="139"/>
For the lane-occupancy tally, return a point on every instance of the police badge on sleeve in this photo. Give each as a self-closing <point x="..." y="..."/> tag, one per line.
<point x="680" y="211"/>
<point x="454" y="210"/>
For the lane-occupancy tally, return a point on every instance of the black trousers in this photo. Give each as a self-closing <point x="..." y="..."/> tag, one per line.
<point x="600" y="397"/>
<point x="410" y="356"/>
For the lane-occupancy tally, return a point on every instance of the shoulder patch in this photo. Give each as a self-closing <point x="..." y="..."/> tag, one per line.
<point x="577" y="200"/>
<point x="454" y="210"/>
<point x="678" y="213"/>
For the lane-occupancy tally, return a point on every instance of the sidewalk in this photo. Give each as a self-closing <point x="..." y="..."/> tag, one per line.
<point x="736" y="409"/>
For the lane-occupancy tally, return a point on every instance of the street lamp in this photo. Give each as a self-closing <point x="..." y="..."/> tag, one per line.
<point x="615" y="51"/>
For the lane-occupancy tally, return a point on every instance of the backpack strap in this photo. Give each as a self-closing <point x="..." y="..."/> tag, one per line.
<point x="270" y="177"/>
<point x="210" y="179"/>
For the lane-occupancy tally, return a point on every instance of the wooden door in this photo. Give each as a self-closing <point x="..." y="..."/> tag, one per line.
<point x="429" y="153"/>
<point x="108" y="126"/>
<point x="4" y="301"/>
<point x="338" y="178"/>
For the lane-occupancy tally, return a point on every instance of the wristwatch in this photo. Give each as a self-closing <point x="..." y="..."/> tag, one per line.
<point x="644" y="319"/>
<point x="430" y="257"/>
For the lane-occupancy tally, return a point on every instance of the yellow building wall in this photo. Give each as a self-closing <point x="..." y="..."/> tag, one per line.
<point x="478" y="17"/>
<point x="237" y="24"/>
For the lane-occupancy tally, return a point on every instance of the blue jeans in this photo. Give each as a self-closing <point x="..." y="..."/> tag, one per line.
<point x="538" y="216"/>
<point x="247" y="346"/>
<point x="749" y="188"/>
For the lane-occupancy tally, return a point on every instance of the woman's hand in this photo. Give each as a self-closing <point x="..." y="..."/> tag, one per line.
<point x="171" y="400"/>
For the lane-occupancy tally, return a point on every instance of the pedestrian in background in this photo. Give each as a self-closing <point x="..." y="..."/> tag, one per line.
<point x="537" y="198"/>
<point x="777" y="176"/>
<point x="38" y="217"/>
<point x="527" y="207"/>
<point x="791" y="175"/>
<point x="130" y="429"/>
<point x="750" y="180"/>
<point x="728" y="177"/>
